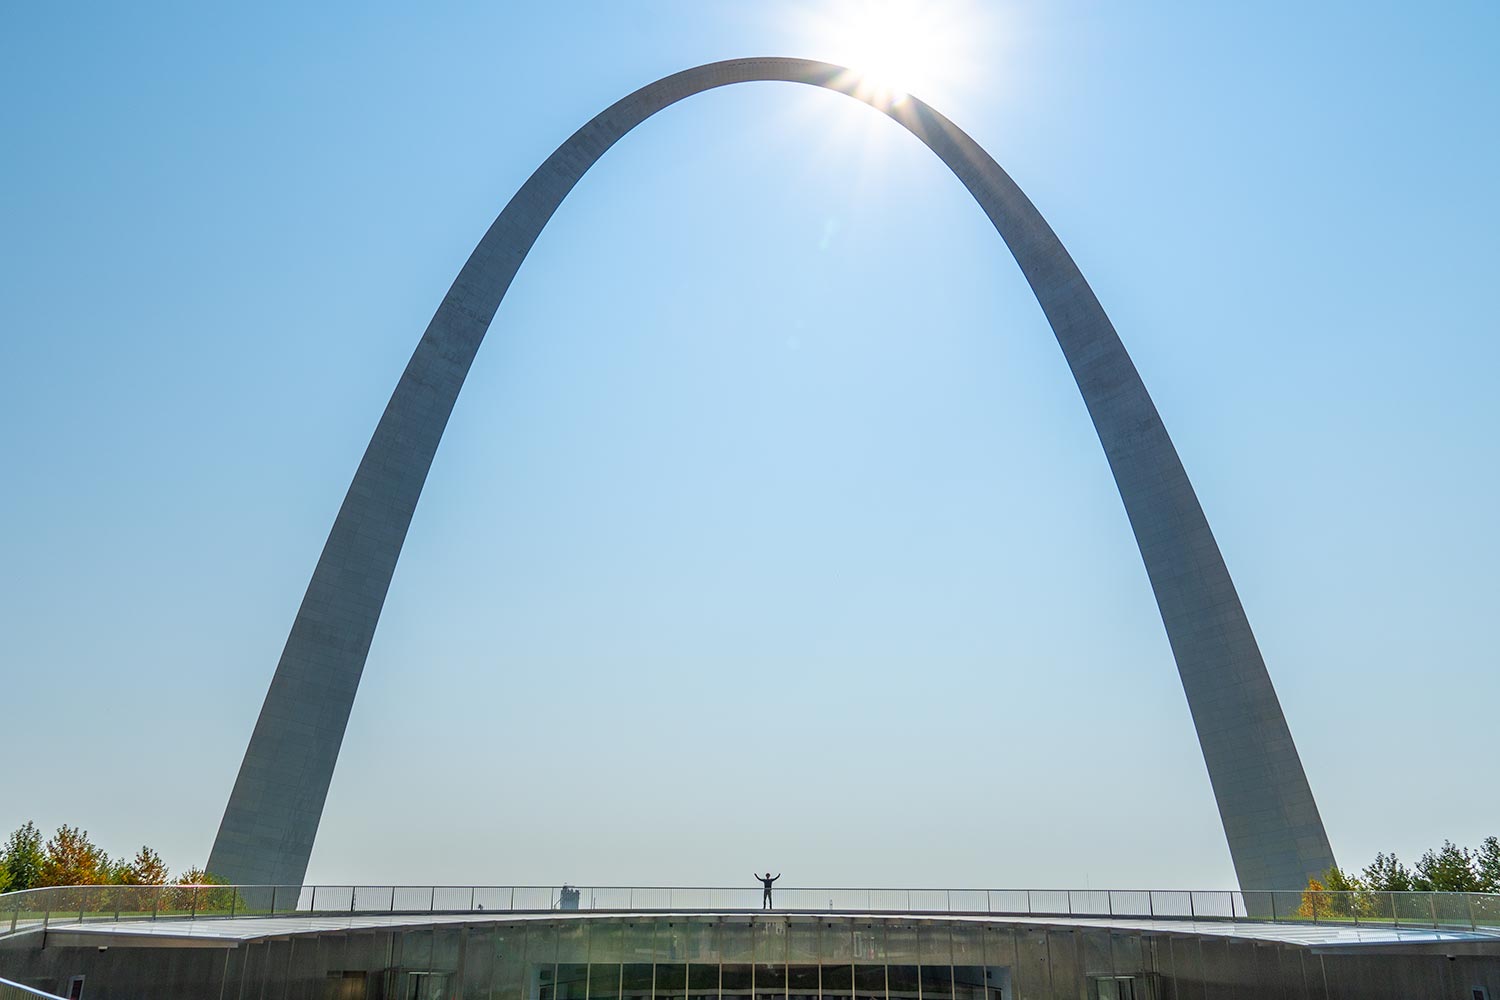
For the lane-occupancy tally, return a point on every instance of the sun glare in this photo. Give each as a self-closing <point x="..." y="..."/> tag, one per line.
<point x="897" y="47"/>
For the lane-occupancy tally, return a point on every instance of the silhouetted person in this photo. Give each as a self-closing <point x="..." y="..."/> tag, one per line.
<point x="766" y="880"/>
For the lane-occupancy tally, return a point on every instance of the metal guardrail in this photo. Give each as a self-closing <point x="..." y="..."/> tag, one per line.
<point x="73" y="905"/>
<point x="16" y="991"/>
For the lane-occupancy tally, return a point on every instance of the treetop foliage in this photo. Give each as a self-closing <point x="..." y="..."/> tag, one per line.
<point x="69" y="857"/>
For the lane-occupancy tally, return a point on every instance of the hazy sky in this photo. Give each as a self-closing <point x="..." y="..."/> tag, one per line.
<point x="770" y="529"/>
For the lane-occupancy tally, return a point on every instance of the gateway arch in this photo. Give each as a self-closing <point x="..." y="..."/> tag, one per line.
<point x="1276" y="837"/>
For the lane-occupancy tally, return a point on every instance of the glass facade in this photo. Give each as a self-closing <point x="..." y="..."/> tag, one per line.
<point x="776" y="957"/>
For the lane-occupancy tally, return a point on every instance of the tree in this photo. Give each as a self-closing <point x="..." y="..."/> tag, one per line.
<point x="22" y="858"/>
<point x="1386" y="874"/>
<point x="1448" y="869"/>
<point x="72" y="859"/>
<point x="1487" y="864"/>
<point x="146" y="868"/>
<point x="1346" y="892"/>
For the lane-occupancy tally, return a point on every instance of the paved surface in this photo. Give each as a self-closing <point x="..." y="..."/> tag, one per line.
<point x="1275" y="834"/>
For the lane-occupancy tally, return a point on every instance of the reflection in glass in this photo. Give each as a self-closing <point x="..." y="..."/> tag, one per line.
<point x="937" y="982"/>
<point x="968" y="982"/>
<point x="671" y="981"/>
<point x="770" y="981"/>
<point x="703" y="981"/>
<point x="869" y="982"/>
<point x="902" y="982"/>
<point x="604" y="980"/>
<point x="802" y="981"/>
<point x="736" y="980"/>
<point x="838" y="982"/>
<point x="636" y="980"/>
<point x="572" y="980"/>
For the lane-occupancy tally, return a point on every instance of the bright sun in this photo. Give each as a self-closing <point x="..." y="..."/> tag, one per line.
<point x="897" y="47"/>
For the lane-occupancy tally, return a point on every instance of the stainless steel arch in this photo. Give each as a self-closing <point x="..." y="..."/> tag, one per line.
<point x="1276" y="837"/>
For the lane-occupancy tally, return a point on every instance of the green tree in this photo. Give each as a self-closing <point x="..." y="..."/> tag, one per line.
<point x="1386" y="874"/>
<point x="1346" y="892"/>
<point x="22" y="858"/>
<point x="1487" y="864"/>
<point x="72" y="859"/>
<point x="1448" y="869"/>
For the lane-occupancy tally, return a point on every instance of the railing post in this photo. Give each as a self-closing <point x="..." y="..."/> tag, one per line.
<point x="1028" y="902"/>
<point x="908" y="900"/>
<point x="312" y="904"/>
<point x="512" y="899"/>
<point x="1273" y="906"/>
<point x="1432" y="905"/>
<point x="1314" y="896"/>
<point x="234" y="897"/>
<point x="1469" y="902"/>
<point x="353" y="894"/>
<point x="432" y="901"/>
<point x="1395" y="917"/>
<point x="1151" y="903"/>
<point x="989" y="906"/>
<point x="948" y="897"/>
<point x="1192" y="906"/>
<point x="193" y="905"/>
<point x="472" y="891"/>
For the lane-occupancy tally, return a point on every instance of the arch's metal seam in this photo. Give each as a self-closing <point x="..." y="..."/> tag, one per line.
<point x="1276" y="837"/>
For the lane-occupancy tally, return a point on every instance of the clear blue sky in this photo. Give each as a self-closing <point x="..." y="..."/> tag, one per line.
<point x="770" y="528"/>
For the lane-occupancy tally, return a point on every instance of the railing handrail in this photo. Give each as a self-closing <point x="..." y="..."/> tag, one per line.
<point x="717" y="888"/>
<point x="44" y="906"/>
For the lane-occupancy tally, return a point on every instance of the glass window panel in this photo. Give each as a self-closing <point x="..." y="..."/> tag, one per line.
<point x="838" y="981"/>
<point x="802" y="980"/>
<point x="902" y="982"/>
<point x="997" y="982"/>
<point x="968" y="982"/>
<point x="703" y="981"/>
<point x="937" y="982"/>
<point x="737" y="979"/>
<point x="572" y="980"/>
<point x="869" y="982"/>
<point x="636" y="980"/>
<point x="604" y="980"/>
<point x="671" y="980"/>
